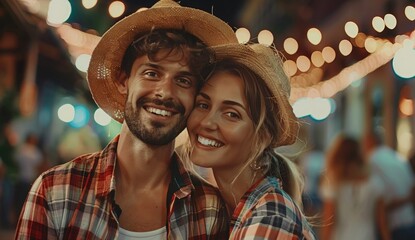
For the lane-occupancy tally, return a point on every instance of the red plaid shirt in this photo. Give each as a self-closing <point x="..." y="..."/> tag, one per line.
<point x="267" y="212"/>
<point x="76" y="201"/>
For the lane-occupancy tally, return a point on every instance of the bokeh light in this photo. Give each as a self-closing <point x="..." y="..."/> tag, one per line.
<point x="328" y="54"/>
<point x="265" y="37"/>
<point x="410" y="12"/>
<point x="345" y="47"/>
<point x="390" y="21"/>
<point x="351" y="29"/>
<point x="88" y="4"/>
<point x="58" y="11"/>
<point x="116" y="9"/>
<point x="82" y="62"/>
<point x="101" y="117"/>
<point x="317" y="58"/>
<point x="314" y="36"/>
<point x="290" y="46"/>
<point x="303" y="63"/>
<point x="81" y="117"/>
<point x="290" y="68"/>
<point x="403" y="62"/>
<point x="66" y="112"/>
<point x="378" y="24"/>
<point x="243" y="35"/>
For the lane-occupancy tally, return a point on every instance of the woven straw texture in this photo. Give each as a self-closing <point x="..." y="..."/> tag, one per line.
<point x="105" y="64"/>
<point x="267" y="64"/>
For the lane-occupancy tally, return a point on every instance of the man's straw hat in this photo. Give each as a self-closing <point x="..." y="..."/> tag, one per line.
<point x="105" y="65"/>
<point x="267" y="64"/>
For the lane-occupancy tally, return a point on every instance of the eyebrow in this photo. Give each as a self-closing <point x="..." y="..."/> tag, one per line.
<point x="227" y="102"/>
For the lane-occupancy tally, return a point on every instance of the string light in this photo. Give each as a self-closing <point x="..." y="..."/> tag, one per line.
<point x="243" y="35"/>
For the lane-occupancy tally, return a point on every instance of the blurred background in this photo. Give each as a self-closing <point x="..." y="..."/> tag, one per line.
<point x="351" y="64"/>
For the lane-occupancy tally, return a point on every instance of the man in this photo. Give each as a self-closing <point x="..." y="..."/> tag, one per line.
<point x="398" y="182"/>
<point x="144" y="73"/>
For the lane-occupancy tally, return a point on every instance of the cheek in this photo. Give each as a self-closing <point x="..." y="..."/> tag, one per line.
<point x="240" y="135"/>
<point x="187" y="99"/>
<point x="193" y="120"/>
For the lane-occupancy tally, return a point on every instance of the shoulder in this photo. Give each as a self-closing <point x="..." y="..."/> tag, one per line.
<point x="277" y="216"/>
<point x="278" y="203"/>
<point x="71" y="175"/>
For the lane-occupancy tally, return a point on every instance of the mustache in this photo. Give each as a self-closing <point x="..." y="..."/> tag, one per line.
<point x="165" y="103"/>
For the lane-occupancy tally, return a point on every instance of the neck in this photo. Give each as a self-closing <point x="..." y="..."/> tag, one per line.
<point x="233" y="186"/>
<point x="140" y="165"/>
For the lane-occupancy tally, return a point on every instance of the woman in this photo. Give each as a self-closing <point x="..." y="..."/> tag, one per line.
<point x="353" y="205"/>
<point x="240" y="115"/>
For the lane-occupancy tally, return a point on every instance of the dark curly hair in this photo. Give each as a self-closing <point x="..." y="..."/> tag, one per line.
<point x="186" y="46"/>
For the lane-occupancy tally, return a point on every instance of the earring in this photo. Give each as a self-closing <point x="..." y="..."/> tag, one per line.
<point x="256" y="165"/>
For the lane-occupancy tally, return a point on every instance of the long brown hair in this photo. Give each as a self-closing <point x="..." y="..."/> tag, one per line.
<point x="264" y="117"/>
<point x="345" y="161"/>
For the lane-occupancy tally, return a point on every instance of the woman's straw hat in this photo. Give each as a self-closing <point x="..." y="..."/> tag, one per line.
<point x="105" y="65"/>
<point x="267" y="64"/>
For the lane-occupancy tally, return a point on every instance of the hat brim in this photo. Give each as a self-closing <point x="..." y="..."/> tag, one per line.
<point x="105" y="64"/>
<point x="268" y="67"/>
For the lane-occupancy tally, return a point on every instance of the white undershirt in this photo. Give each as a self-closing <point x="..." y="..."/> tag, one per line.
<point x="158" y="234"/>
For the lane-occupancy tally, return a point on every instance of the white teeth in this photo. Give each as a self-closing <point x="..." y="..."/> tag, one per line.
<point x="159" y="111"/>
<point x="208" y="142"/>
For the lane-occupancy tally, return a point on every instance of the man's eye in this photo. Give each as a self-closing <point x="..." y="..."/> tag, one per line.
<point x="150" y="73"/>
<point x="184" y="82"/>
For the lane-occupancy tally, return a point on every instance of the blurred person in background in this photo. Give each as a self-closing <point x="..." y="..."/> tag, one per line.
<point x="353" y="205"/>
<point x="398" y="183"/>
<point x="8" y="177"/>
<point x="235" y="134"/>
<point x="145" y="73"/>
<point x="29" y="159"/>
<point x="312" y="165"/>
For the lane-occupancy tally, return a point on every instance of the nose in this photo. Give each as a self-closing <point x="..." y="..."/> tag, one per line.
<point x="165" y="88"/>
<point x="209" y="121"/>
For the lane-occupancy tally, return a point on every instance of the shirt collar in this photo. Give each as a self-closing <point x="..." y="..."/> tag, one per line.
<point x="105" y="182"/>
<point x="181" y="183"/>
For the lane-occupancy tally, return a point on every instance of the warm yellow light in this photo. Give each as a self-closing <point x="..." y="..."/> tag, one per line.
<point x="370" y="45"/>
<point x="303" y="63"/>
<point x="314" y="36"/>
<point x="88" y="4"/>
<point x="328" y="54"/>
<point x="142" y="9"/>
<point x="351" y="29"/>
<point x="378" y="24"/>
<point x="243" y="35"/>
<point x="360" y="40"/>
<point x="265" y="37"/>
<point x="410" y="12"/>
<point x="390" y="21"/>
<point x="290" y="67"/>
<point x="345" y="47"/>
<point x="317" y="59"/>
<point x="406" y="106"/>
<point x="116" y="9"/>
<point x="290" y="45"/>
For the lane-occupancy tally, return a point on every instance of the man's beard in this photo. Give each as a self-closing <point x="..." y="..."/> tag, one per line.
<point x="153" y="134"/>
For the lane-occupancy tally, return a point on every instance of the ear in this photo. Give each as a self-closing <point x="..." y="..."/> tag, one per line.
<point x="122" y="83"/>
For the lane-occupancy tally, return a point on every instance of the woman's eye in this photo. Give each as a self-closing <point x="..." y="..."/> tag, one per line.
<point x="233" y="115"/>
<point x="202" y="105"/>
